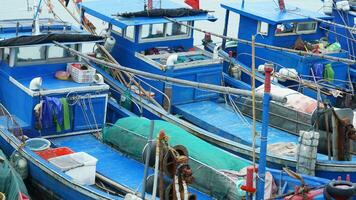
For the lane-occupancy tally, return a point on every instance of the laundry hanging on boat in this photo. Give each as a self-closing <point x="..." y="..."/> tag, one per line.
<point x="52" y="111"/>
<point x="328" y="73"/>
<point x="317" y="71"/>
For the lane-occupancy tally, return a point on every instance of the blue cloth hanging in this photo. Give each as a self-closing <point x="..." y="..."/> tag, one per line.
<point x="52" y="112"/>
<point x="318" y="69"/>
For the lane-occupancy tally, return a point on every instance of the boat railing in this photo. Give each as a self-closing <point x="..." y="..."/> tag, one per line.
<point x="162" y="65"/>
<point x="152" y="88"/>
<point x="12" y="125"/>
<point x="28" y="22"/>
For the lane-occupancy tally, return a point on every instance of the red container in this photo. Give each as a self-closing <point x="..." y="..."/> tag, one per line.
<point x="51" y="153"/>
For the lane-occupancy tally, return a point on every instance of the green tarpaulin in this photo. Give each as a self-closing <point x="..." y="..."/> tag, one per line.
<point x="129" y="135"/>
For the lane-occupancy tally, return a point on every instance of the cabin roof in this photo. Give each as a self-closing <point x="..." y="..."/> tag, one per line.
<point x="106" y="10"/>
<point x="10" y="29"/>
<point x="268" y="11"/>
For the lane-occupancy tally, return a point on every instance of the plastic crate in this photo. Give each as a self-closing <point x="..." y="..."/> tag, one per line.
<point x="52" y="153"/>
<point x="79" y="75"/>
<point x="80" y="166"/>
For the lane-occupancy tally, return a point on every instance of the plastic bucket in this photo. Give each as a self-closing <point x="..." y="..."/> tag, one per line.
<point x="37" y="144"/>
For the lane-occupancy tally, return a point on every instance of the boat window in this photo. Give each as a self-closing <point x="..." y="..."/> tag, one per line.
<point x="34" y="53"/>
<point x="306" y="27"/>
<point x="56" y="52"/>
<point x="175" y="29"/>
<point x="285" y="29"/>
<point x="166" y="31"/>
<point x="262" y="28"/>
<point x="117" y="30"/>
<point x="151" y="31"/>
<point x="130" y="33"/>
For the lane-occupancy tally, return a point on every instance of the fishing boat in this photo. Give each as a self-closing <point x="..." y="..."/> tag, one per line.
<point x="296" y="41"/>
<point x="12" y="186"/>
<point x="46" y="107"/>
<point x="342" y="30"/>
<point x="156" y="44"/>
<point x="300" y="112"/>
<point x="56" y="123"/>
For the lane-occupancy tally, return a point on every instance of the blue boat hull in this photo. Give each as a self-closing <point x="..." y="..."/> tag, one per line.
<point x="50" y="178"/>
<point x="324" y="169"/>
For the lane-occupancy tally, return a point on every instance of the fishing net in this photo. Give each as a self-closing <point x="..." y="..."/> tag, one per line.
<point x="11" y="183"/>
<point x="129" y="135"/>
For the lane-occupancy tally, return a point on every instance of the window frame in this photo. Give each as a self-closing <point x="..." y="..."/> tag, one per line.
<point x="119" y="33"/>
<point x="306" y="31"/>
<point x="165" y="37"/>
<point x="286" y="34"/>
<point x="46" y="59"/>
<point x="125" y="35"/>
<point x="259" y="25"/>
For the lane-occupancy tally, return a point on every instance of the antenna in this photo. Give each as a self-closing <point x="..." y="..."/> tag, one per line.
<point x="36" y="23"/>
<point x="282" y="6"/>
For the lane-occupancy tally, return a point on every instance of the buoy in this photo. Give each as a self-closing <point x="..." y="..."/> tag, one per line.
<point x="171" y="60"/>
<point x="20" y="164"/>
<point x="2" y="196"/>
<point x="328" y="7"/>
<point x="98" y="79"/>
<point x="36" y="83"/>
<point x="287" y="72"/>
<point x="109" y="43"/>
<point x="343" y="5"/>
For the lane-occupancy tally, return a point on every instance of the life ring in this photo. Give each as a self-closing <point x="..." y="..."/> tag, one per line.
<point x="340" y="190"/>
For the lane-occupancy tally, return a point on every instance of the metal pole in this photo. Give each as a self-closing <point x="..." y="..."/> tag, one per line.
<point x="253" y="87"/>
<point x="147" y="160"/>
<point x="264" y="134"/>
<point x="205" y="86"/>
<point x="227" y="14"/>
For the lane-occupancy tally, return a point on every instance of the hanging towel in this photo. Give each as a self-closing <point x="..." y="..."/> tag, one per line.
<point x="66" y="115"/>
<point x="329" y="73"/>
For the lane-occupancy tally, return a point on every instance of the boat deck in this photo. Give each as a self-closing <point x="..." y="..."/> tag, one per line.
<point x="111" y="163"/>
<point x="49" y="82"/>
<point x="209" y="115"/>
<point x="218" y="118"/>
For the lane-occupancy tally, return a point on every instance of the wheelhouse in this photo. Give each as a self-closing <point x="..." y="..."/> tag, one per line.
<point x="292" y="28"/>
<point x="159" y="45"/>
<point x="28" y="60"/>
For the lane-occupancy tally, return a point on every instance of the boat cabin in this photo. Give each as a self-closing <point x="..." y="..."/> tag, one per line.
<point x="34" y="76"/>
<point x="158" y="45"/>
<point x="289" y="27"/>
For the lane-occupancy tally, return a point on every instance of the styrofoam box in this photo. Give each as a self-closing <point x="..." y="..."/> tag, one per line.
<point x="80" y="166"/>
